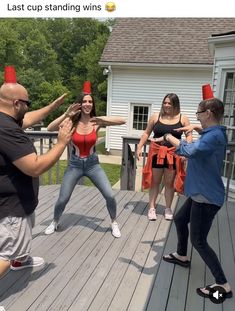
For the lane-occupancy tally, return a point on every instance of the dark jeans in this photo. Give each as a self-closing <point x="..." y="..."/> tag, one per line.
<point x="200" y="216"/>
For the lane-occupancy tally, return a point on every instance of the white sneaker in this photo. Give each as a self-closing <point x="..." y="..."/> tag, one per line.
<point x="115" y="230"/>
<point x="31" y="262"/>
<point x="2" y="308"/>
<point x="168" y="214"/>
<point x="52" y="227"/>
<point x="152" y="214"/>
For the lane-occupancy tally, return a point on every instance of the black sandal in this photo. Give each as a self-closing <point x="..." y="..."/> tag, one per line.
<point x="210" y="292"/>
<point x="174" y="260"/>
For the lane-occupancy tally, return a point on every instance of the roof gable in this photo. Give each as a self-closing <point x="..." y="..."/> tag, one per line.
<point x="164" y="40"/>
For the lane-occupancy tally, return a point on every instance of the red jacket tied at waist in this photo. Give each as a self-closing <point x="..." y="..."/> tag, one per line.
<point x="163" y="152"/>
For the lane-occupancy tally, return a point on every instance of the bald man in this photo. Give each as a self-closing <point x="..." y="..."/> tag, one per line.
<point x="20" y="167"/>
<point x="32" y="117"/>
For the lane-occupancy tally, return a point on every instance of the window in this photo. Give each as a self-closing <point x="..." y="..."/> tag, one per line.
<point x="229" y="103"/>
<point x="140" y="115"/>
<point x="229" y="119"/>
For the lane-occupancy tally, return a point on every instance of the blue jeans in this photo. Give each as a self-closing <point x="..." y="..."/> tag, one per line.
<point x="91" y="168"/>
<point x="200" y="216"/>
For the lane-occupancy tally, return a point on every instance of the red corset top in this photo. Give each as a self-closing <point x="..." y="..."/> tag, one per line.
<point x="84" y="144"/>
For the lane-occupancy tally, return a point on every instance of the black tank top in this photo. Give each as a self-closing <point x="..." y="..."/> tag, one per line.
<point x="160" y="129"/>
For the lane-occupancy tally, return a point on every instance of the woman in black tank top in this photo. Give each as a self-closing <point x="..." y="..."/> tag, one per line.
<point x="160" y="129"/>
<point x="161" y="123"/>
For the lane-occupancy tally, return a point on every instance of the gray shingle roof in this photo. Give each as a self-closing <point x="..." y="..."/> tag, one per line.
<point x="164" y="40"/>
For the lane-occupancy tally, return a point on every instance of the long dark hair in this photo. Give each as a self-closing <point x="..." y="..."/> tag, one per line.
<point x="175" y="102"/>
<point x="75" y="119"/>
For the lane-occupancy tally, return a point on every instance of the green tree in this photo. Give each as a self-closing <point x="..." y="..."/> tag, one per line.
<point x="48" y="92"/>
<point x="52" y="56"/>
<point x="86" y="62"/>
<point x="11" y="48"/>
<point x="41" y="55"/>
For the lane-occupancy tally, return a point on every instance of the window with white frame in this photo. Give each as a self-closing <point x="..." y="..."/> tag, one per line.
<point x="229" y="102"/>
<point x="229" y="118"/>
<point x="140" y="114"/>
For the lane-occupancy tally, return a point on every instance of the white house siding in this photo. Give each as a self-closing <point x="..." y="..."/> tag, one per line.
<point x="141" y="85"/>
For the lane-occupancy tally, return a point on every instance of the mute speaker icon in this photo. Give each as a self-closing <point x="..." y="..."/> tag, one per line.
<point x="217" y="295"/>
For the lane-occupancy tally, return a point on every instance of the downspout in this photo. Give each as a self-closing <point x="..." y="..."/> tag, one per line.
<point x="108" y="107"/>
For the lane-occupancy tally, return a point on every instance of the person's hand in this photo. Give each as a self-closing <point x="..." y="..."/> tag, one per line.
<point x="186" y="129"/>
<point x="138" y="153"/>
<point x="66" y="130"/>
<point x="59" y="101"/>
<point x="73" y="110"/>
<point x="184" y="162"/>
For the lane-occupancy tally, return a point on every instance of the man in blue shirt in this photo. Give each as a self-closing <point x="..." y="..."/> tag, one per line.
<point x="204" y="189"/>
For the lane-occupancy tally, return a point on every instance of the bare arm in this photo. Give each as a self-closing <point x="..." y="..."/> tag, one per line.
<point x="170" y="138"/>
<point x="190" y="128"/>
<point x="38" y="115"/>
<point x="54" y="125"/>
<point x="34" y="165"/>
<point x="188" y="134"/>
<point x="70" y="112"/>
<point x="107" y="121"/>
<point x="145" y="136"/>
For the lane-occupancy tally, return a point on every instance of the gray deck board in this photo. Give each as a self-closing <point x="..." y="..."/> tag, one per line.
<point x="214" y="243"/>
<point x="139" y="265"/>
<point x="88" y="269"/>
<point x="141" y="295"/>
<point x="84" y="272"/>
<point x="226" y="225"/>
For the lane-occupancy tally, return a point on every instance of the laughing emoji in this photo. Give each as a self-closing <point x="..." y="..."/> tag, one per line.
<point x="110" y="6"/>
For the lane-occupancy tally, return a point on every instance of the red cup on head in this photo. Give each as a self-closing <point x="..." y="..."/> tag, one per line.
<point x="9" y="74"/>
<point x="207" y="92"/>
<point x="87" y="87"/>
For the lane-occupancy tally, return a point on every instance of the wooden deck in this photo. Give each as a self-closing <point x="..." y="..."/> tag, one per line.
<point x="88" y="269"/>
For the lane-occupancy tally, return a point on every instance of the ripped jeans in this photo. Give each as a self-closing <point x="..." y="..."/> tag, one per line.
<point x="77" y="168"/>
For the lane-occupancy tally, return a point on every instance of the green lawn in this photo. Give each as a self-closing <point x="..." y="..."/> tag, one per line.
<point x="112" y="171"/>
<point x="101" y="134"/>
<point x="100" y="148"/>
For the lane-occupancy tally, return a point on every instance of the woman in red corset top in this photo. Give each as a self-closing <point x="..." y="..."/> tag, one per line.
<point x="84" y="160"/>
<point x="161" y="123"/>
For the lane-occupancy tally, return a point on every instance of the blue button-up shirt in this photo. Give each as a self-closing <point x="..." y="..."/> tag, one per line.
<point x="205" y="163"/>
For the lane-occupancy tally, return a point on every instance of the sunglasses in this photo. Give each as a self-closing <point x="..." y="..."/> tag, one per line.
<point x="198" y="112"/>
<point x="27" y="102"/>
